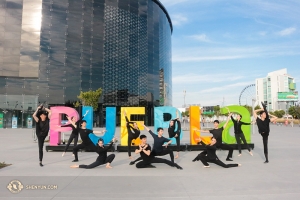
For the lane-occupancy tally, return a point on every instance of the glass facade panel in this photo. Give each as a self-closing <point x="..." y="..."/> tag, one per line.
<point x="50" y="50"/>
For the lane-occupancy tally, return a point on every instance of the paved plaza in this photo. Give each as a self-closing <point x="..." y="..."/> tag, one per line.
<point x="280" y="179"/>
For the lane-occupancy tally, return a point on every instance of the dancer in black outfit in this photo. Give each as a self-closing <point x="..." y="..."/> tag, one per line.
<point x="102" y="158"/>
<point x="41" y="117"/>
<point x="133" y="133"/>
<point x="159" y="147"/>
<point x="75" y="125"/>
<point x="211" y="156"/>
<point x="239" y="135"/>
<point x="217" y="134"/>
<point x="86" y="141"/>
<point x="175" y="134"/>
<point x="263" y="124"/>
<point x="147" y="156"/>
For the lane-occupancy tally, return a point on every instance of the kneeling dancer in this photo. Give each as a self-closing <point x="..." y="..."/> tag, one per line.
<point x="211" y="156"/>
<point x="148" y="158"/>
<point x="102" y="158"/>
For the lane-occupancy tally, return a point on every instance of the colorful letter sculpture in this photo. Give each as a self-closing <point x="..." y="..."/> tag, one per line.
<point x="110" y="127"/>
<point x="229" y="139"/>
<point x="195" y="134"/>
<point x="159" y="119"/>
<point x="130" y="111"/>
<point x="55" y="121"/>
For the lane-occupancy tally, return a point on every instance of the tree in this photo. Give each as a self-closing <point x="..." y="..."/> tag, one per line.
<point x="183" y="114"/>
<point x="217" y="110"/>
<point x="89" y="98"/>
<point x="257" y="107"/>
<point x="249" y="108"/>
<point x="294" y="111"/>
<point x="279" y="113"/>
<point x="187" y="113"/>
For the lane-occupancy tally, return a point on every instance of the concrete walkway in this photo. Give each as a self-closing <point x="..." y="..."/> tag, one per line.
<point x="280" y="179"/>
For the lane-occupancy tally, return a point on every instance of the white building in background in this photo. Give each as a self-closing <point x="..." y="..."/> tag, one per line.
<point x="277" y="90"/>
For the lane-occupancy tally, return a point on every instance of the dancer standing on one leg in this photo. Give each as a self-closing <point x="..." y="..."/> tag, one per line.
<point x="75" y="125"/>
<point x="148" y="158"/>
<point x="86" y="141"/>
<point x="175" y="134"/>
<point x="211" y="156"/>
<point x="102" y="158"/>
<point x="133" y="133"/>
<point x="263" y="124"/>
<point x="41" y="117"/>
<point x="239" y="135"/>
<point x="217" y="134"/>
<point x="159" y="147"/>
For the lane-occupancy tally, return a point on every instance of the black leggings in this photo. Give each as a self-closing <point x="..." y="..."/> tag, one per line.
<point x="226" y="147"/>
<point x="265" y="142"/>
<point x="177" y="140"/>
<point x="145" y="164"/>
<point x="72" y="136"/>
<point x="81" y="146"/>
<point x="240" y="137"/>
<point x="204" y="159"/>
<point x="165" y="152"/>
<point x="98" y="162"/>
<point x="41" y="140"/>
<point x="129" y="145"/>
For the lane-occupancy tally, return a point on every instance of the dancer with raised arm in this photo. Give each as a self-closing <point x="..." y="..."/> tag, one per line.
<point x="175" y="134"/>
<point x="159" y="147"/>
<point x="217" y="134"/>
<point x="147" y="156"/>
<point x="86" y="141"/>
<point x="238" y="133"/>
<point x="42" y="117"/>
<point x="75" y="125"/>
<point x="102" y="158"/>
<point x="263" y="124"/>
<point x="211" y="156"/>
<point x="133" y="132"/>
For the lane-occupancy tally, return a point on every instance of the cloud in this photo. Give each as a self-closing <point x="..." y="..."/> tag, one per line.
<point x="172" y="2"/>
<point x="197" y="54"/>
<point x="287" y="31"/>
<point x="262" y="33"/>
<point x="209" y="78"/>
<point x="212" y="95"/>
<point x="178" y="19"/>
<point x="201" y="38"/>
<point x="226" y="87"/>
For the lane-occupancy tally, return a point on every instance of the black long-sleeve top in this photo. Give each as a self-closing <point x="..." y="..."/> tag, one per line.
<point x="238" y="125"/>
<point x="211" y="151"/>
<point x="130" y="128"/>
<point x="171" y="129"/>
<point x="217" y="133"/>
<point x="158" y="142"/>
<point x="75" y="130"/>
<point x="84" y="135"/>
<point x="264" y="126"/>
<point x="102" y="151"/>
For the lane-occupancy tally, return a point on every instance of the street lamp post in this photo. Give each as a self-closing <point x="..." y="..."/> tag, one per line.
<point x="184" y="93"/>
<point x="184" y="121"/>
<point x="253" y="103"/>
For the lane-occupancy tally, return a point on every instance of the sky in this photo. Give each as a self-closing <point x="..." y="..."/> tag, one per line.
<point x="219" y="47"/>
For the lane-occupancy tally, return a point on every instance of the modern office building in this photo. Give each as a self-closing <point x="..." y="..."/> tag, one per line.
<point x="277" y="90"/>
<point x="50" y="50"/>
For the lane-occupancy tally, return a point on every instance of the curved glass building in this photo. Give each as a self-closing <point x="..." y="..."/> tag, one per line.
<point x="50" y="50"/>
